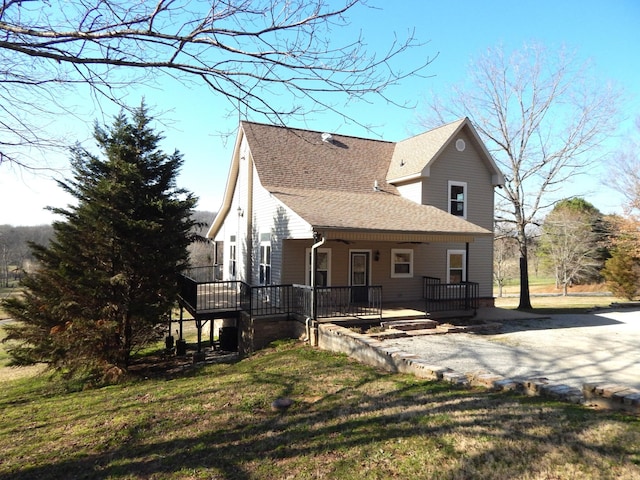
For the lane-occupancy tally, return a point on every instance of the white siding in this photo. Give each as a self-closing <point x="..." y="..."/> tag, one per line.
<point x="236" y="221"/>
<point x="411" y="191"/>
<point x="270" y="216"/>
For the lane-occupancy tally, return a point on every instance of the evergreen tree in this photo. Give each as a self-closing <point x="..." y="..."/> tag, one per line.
<point x="622" y="272"/>
<point x="107" y="280"/>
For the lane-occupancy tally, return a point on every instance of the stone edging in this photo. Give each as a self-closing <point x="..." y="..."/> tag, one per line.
<point x="373" y="352"/>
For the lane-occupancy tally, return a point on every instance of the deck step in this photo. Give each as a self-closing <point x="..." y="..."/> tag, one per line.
<point x="405" y="325"/>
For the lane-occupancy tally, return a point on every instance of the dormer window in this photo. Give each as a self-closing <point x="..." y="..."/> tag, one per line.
<point x="458" y="199"/>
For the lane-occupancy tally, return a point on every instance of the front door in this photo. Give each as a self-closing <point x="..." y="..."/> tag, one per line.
<point x="360" y="276"/>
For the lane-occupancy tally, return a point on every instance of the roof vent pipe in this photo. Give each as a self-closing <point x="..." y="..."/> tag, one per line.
<point x="327" y="138"/>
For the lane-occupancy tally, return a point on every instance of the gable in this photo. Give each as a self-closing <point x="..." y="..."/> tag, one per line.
<point x="412" y="158"/>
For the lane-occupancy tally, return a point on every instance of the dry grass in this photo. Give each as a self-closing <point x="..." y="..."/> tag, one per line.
<point x="545" y="296"/>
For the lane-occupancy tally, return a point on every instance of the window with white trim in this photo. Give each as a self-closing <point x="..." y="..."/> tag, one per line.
<point x="265" y="259"/>
<point x="401" y="263"/>
<point x="323" y="267"/>
<point x="456" y="266"/>
<point x="458" y="199"/>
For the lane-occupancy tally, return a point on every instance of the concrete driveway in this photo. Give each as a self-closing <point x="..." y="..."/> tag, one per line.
<point x="601" y="348"/>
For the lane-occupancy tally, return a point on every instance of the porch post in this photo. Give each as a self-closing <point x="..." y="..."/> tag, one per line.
<point x="466" y="257"/>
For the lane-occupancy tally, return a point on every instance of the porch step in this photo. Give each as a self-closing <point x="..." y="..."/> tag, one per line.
<point x="406" y="325"/>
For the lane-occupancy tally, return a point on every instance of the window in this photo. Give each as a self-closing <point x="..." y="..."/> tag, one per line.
<point x="456" y="266"/>
<point x="265" y="259"/>
<point x="232" y="256"/>
<point x="323" y="267"/>
<point x="458" y="199"/>
<point x="401" y="263"/>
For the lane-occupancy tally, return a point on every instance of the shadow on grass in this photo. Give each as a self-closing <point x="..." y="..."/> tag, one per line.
<point x="432" y="428"/>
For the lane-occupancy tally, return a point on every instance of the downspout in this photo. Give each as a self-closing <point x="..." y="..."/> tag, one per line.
<point x="466" y="269"/>
<point x="312" y="331"/>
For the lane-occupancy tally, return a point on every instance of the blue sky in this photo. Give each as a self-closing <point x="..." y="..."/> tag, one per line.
<point x="197" y="123"/>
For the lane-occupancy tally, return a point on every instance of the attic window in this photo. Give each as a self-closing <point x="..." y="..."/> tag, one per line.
<point x="460" y="145"/>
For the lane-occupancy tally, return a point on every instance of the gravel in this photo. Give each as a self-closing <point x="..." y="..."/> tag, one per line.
<point x="601" y="348"/>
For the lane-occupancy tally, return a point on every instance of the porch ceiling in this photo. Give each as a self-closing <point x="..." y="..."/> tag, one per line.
<point x="361" y="235"/>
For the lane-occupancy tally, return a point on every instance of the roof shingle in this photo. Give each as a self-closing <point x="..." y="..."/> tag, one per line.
<point x="330" y="184"/>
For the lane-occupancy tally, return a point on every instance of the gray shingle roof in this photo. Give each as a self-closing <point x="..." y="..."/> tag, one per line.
<point x="375" y="211"/>
<point x="410" y="156"/>
<point x="330" y="184"/>
<point x="292" y="158"/>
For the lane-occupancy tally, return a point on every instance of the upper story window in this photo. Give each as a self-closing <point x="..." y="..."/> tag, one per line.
<point x="458" y="199"/>
<point x="401" y="263"/>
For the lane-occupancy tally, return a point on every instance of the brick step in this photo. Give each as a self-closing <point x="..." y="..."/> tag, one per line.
<point x="406" y="325"/>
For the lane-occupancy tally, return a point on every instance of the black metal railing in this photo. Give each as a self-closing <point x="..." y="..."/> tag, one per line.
<point x="200" y="294"/>
<point x="270" y="300"/>
<point x="348" y="301"/>
<point x="443" y="297"/>
<point x="332" y="302"/>
<point x="302" y="300"/>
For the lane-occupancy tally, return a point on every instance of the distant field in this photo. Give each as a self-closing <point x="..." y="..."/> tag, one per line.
<point x="545" y="295"/>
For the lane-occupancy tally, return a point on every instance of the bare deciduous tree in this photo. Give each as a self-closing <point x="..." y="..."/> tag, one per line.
<point x="543" y="118"/>
<point x="571" y="245"/>
<point x="625" y="177"/>
<point x="504" y="254"/>
<point x="272" y="58"/>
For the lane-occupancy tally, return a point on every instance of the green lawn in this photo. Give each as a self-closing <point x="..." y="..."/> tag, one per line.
<point x="348" y="421"/>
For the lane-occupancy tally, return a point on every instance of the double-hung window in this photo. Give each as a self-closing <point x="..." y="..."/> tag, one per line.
<point x="401" y="263"/>
<point x="458" y="199"/>
<point x="456" y="266"/>
<point x="323" y="267"/>
<point x="265" y="259"/>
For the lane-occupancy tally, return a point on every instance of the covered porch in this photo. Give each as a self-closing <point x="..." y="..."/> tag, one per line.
<point x="206" y="298"/>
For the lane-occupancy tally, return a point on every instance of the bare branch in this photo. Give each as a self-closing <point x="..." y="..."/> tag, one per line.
<point x="249" y="51"/>
<point x="543" y="120"/>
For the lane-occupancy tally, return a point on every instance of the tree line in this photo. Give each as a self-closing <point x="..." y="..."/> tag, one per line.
<point x="15" y="255"/>
<point x="577" y="245"/>
<point x="17" y="258"/>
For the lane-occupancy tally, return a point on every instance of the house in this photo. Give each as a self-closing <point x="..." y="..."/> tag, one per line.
<point x="367" y="222"/>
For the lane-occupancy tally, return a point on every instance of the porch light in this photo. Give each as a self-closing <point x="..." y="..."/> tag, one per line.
<point x="240" y="212"/>
<point x="376" y="255"/>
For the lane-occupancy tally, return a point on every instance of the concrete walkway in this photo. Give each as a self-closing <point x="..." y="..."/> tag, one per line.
<point x="601" y="347"/>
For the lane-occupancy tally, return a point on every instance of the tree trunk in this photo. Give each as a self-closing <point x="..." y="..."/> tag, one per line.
<point x="525" y="299"/>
